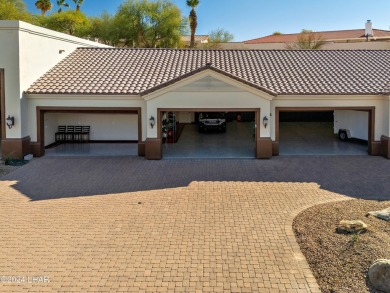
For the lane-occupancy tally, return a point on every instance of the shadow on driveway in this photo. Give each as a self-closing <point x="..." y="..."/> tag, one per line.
<point x="50" y="178"/>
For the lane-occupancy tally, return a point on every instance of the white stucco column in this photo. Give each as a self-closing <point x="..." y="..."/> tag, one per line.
<point x="265" y="111"/>
<point x="386" y="108"/>
<point x="385" y="138"/>
<point x="151" y="132"/>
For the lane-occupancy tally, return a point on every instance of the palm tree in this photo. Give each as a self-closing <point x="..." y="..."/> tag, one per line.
<point x="78" y="4"/>
<point x="44" y="6"/>
<point x="61" y="3"/>
<point x="193" y="20"/>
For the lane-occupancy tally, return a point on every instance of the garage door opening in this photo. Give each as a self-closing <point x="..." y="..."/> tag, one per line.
<point x="90" y="132"/>
<point x="326" y="132"/>
<point x="208" y="134"/>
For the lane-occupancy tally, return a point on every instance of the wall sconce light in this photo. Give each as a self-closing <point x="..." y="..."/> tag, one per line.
<point x="10" y="121"/>
<point x="265" y="121"/>
<point x="152" y="121"/>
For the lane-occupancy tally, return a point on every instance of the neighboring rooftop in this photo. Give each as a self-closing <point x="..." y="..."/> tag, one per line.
<point x="140" y="71"/>
<point x="327" y="36"/>
<point x="201" y="39"/>
<point x="357" y="35"/>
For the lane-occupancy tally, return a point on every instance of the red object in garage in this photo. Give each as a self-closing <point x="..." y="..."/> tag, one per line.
<point x="171" y="136"/>
<point x="238" y="118"/>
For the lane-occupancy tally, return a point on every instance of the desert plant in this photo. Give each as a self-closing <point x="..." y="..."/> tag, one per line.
<point x="354" y="238"/>
<point x="8" y="159"/>
<point x="216" y="37"/>
<point x="307" y="40"/>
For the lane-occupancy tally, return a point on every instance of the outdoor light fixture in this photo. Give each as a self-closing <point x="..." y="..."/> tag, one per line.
<point x="152" y="122"/>
<point x="10" y="121"/>
<point x="265" y="121"/>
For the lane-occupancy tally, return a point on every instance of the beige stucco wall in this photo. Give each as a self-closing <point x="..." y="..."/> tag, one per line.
<point x="51" y="127"/>
<point x="79" y="101"/>
<point x="378" y="45"/>
<point x="386" y="111"/>
<point x="103" y="126"/>
<point x="9" y="61"/>
<point x="243" y="46"/>
<point x="27" y="52"/>
<point x="185" y="117"/>
<point x="381" y="115"/>
<point x="355" y="121"/>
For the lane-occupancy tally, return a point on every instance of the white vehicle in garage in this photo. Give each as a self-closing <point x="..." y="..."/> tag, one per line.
<point x="351" y="124"/>
<point x="212" y="121"/>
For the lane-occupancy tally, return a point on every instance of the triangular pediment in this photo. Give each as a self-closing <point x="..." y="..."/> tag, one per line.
<point x="208" y="83"/>
<point x="207" y="80"/>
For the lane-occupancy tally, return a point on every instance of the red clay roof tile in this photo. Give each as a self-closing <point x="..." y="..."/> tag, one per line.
<point x="326" y="35"/>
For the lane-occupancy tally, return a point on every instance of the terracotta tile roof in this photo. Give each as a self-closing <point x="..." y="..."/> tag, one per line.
<point x="140" y="71"/>
<point x="326" y="35"/>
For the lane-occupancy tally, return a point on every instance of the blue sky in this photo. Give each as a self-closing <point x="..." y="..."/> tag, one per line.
<point x="248" y="19"/>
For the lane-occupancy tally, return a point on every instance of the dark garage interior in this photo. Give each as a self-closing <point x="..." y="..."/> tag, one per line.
<point x="236" y="141"/>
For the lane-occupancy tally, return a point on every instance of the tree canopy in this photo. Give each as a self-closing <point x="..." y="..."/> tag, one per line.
<point x="70" y="22"/>
<point x="143" y="23"/>
<point x="14" y="10"/>
<point x="105" y="28"/>
<point x="218" y="36"/>
<point x="137" y="23"/>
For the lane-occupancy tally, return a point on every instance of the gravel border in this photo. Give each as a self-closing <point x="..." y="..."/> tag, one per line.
<point x="340" y="262"/>
<point x="5" y="169"/>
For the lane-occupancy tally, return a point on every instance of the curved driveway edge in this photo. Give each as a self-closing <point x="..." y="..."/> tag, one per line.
<point x="126" y="224"/>
<point x="298" y="255"/>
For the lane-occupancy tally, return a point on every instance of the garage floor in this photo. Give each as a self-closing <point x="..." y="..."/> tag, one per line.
<point x="296" y="138"/>
<point x="237" y="142"/>
<point x="315" y="138"/>
<point x="93" y="149"/>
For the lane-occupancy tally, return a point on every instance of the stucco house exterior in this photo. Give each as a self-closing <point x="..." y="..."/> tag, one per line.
<point x="121" y="91"/>
<point x="199" y="40"/>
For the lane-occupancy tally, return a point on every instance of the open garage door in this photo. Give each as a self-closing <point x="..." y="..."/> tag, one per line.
<point x="323" y="132"/>
<point x="208" y="134"/>
<point x="90" y="132"/>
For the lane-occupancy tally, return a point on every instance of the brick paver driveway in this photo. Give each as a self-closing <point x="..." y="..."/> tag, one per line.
<point x="127" y="224"/>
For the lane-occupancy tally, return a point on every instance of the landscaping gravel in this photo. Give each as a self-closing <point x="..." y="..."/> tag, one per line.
<point x="5" y="169"/>
<point x="340" y="262"/>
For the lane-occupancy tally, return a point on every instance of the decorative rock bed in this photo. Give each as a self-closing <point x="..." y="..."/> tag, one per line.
<point x="351" y="227"/>
<point x="382" y="214"/>
<point x="379" y="275"/>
